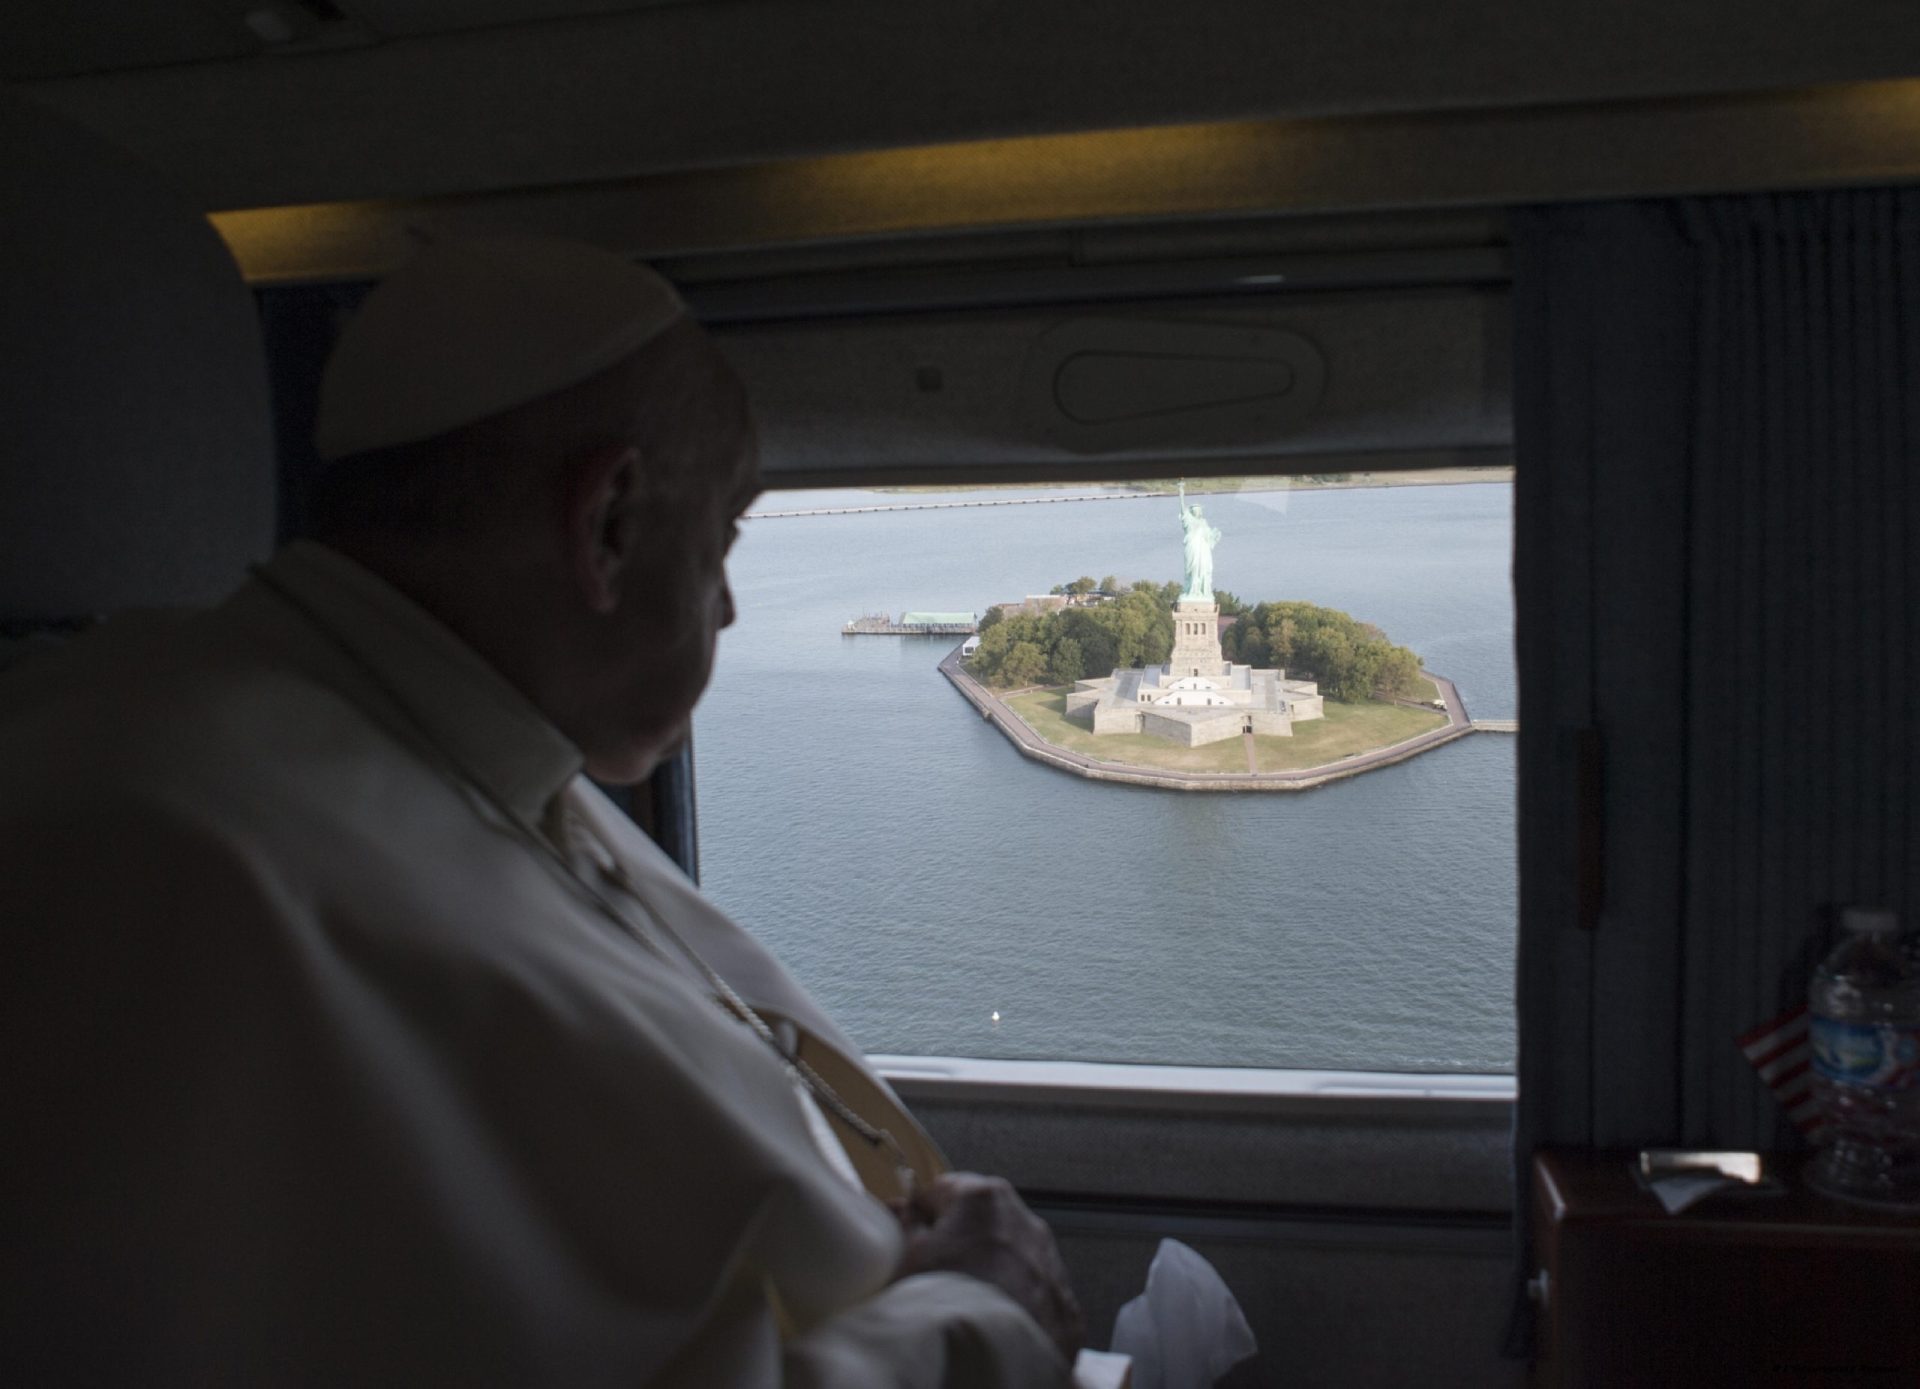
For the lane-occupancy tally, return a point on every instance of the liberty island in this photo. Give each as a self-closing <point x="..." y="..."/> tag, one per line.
<point x="1184" y="713"/>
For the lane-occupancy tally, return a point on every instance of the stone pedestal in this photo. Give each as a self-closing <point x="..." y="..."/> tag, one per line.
<point x="1196" y="640"/>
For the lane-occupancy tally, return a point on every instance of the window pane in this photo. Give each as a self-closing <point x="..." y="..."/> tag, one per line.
<point x="920" y="876"/>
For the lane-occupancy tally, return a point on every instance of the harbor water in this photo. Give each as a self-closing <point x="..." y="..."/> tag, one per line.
<point x="919" y="876"/>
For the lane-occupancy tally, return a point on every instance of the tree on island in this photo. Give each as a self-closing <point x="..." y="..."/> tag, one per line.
<point x="1067" y="662"/>
<point x="1351" y="660"/>
<point x="1058" y="648"/>
<point x="1168" y="593"/>
<point x="1022" y="663"/>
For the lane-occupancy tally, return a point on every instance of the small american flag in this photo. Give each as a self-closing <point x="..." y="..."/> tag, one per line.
<point x="1779" y="1050"/>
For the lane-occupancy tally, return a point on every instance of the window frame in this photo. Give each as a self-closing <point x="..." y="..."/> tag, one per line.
<point x="1421" y="1145"/>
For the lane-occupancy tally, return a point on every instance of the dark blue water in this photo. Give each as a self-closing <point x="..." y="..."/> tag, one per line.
<point x="917" y="874"/>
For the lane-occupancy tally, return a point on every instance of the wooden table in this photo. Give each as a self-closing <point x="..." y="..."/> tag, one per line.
<point x="1752" y="1291"/>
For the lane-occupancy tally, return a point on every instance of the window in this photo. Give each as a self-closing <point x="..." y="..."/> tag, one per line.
<point x="944" y="895"/>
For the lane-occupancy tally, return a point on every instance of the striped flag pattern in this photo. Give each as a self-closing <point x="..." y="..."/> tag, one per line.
<point x="1781" y="1053"/>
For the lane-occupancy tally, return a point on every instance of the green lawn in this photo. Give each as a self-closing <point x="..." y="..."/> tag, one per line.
<point x="1347" y="728"/>
<point x="1425" y="690"/>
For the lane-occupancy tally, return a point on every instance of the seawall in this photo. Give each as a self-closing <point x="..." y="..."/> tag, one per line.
<point x="1030" y="744"/>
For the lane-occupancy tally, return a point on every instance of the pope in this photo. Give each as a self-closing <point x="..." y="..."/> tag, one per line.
<point x="350" y="1035"/>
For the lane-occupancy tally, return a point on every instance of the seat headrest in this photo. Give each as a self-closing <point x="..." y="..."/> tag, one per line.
<point x="136" y="444"/>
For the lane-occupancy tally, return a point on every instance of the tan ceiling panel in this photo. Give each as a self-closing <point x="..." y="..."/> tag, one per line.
<point x="688" y="86"/>
<point x="1834" y="137"/>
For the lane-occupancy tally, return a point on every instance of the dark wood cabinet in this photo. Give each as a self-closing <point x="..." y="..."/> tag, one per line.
<point x="1756" y="1291"/>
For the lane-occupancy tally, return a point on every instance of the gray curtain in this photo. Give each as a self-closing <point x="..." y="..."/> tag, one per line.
<point x="1717" y="405"/>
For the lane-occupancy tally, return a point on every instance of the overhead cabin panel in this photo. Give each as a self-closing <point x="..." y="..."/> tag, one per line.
<point x="1220" y="386"/>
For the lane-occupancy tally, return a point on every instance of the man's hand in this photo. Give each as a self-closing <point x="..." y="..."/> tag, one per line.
<point x="965" y="1223"/>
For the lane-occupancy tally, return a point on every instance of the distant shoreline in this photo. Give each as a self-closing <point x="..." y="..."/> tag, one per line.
<point x="1423" y="477"/>
<point x="1416" y="477"/>
<point x="1432" y="477"/>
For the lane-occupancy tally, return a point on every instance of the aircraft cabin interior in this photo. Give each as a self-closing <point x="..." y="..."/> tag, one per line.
<point x="1660" y="261"/>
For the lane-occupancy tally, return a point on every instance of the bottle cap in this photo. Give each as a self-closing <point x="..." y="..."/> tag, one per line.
<point x="1874" y="921"/>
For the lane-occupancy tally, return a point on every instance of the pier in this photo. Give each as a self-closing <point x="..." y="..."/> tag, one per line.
<point x="912" y="625"/>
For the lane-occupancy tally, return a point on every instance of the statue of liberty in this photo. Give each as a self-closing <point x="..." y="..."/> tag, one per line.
<point x="1197" y="540"/>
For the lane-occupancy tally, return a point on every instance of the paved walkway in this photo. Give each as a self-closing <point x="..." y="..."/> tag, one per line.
<point x="1031" y="744"/>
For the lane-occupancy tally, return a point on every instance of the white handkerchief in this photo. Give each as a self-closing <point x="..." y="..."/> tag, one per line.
<point x="1186" y="1329"/>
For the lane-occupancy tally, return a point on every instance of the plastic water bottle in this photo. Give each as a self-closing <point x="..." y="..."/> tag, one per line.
<point x="1865" y="1002"/>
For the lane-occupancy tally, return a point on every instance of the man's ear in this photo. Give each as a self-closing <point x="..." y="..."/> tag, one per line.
<point x="601" y="484"/>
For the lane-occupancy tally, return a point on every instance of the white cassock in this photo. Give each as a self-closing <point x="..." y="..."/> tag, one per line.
<point x="322" y="1066"/>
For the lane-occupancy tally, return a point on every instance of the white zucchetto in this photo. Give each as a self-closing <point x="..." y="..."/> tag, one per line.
<point x="471" y="327"/>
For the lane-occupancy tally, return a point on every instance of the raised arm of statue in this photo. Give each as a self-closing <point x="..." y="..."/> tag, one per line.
<point x="1197" y="540"/>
